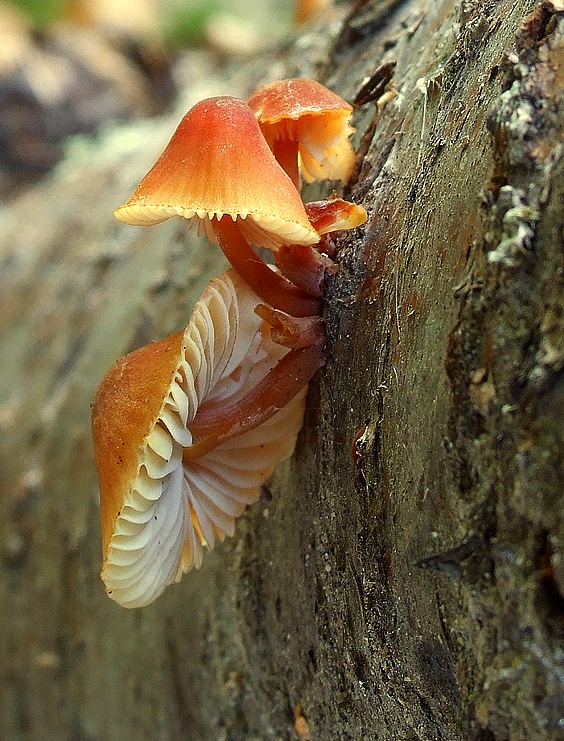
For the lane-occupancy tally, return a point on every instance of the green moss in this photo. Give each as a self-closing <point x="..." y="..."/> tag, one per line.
<point x="185" y="25"/>
<point x="41" y="13"/>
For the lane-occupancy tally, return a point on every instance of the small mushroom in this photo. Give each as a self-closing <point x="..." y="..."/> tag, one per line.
<point x="217" y="168"/>
<point x="164" y="493"/>
<point x="305" y="265"/>
<point x="335" y="214"/>
<point x="304" y="10"/>
<point x="305" y="123"/>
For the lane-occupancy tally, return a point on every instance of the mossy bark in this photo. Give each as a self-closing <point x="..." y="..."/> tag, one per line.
<point x="405" y="581"/>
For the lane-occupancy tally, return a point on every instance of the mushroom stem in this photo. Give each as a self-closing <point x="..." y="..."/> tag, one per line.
<point x="304" y="266"/>
<point x="215" y="424"/>
<point x="286" y="153"/>
<point x="270" y="286"/>
<point x="290" y="331"/>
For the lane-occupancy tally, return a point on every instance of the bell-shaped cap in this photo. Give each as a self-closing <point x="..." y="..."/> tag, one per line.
<point x="305" y="111"/>
<point x="158" y="511"/>
<point x="218" y="164"/>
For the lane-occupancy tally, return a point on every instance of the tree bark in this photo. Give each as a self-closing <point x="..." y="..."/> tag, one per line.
<point x="406" y="579"/>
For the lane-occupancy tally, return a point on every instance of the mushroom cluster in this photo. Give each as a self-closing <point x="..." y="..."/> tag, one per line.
<point x="188" y="428"/>
<point x="163" y="497"/>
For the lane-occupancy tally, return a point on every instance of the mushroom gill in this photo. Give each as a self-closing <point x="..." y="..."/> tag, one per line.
<point x="307" y="127"/>
<point x="158" y="510"/>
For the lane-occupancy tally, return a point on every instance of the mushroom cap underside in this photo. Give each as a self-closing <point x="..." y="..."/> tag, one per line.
<point x="306" y="112"/>
<point x="158" y="512"/>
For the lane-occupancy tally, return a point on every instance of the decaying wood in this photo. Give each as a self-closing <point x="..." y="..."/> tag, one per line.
<point x="405" y="579"/>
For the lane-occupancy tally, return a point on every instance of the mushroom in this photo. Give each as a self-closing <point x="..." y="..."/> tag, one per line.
<point x="165" y="494"/>
<point x="304" y="10"/>
<point x="217" y="168"/>
<point x="304" y="122"/>
<point x="304" y="265"/>
<point x="334" y="214"/>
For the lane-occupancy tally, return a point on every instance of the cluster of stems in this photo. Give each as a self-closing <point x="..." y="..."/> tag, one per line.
<point x="285" y="126"/>
<point x="293" y="296"/>
<point x="294" y="301"/>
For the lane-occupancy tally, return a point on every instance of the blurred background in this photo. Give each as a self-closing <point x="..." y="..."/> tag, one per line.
<point x="72" y="67"/>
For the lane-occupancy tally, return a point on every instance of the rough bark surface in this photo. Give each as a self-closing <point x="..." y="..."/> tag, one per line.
<point x="406" y="580"/>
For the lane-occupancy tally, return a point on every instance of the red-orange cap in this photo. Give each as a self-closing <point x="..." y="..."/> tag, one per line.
<point x="305" y="111"/>
<point x="218" y="164"/>
<point x="125" y="411"/>
<point x="335" y="214"/>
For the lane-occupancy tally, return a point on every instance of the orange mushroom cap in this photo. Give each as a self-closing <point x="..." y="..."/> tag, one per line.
<point x="304" y="10"/>
<point x="158" y="510"/>
<point x="217" y="163"/>
<point x="306" y="112"/>
<point x="335" y="214"/>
